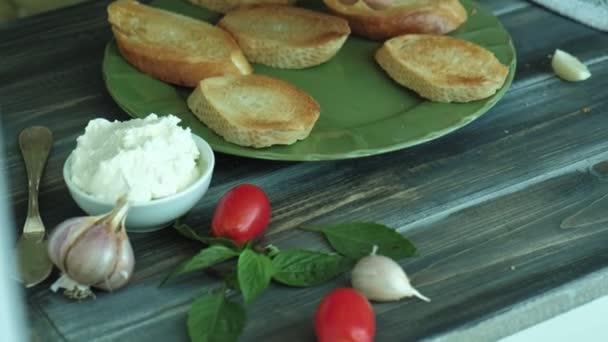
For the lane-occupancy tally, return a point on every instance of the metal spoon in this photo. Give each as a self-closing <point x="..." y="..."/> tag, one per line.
<point x="33" y="261"/>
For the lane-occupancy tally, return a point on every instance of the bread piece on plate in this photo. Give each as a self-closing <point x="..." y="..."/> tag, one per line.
<point x="286" y="37"/>
<point x="224" y="6"/>
<point x="409" y="16"/>
<point x="442" y="68"/>
<point x="254" y="110"/>
<point x="172" y="47"/>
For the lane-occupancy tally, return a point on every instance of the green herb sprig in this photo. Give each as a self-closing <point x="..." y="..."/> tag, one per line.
<point x="214" y="317"/>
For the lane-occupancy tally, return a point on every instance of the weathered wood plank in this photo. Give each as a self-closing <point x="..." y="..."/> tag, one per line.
<point x="478" y="259"/>
<point x="445" y="270"/>
<point x="232" y="171"/>
<point x="41" y="327"/>
<point x="378" y="204"/>
<point x="490" y="189"/>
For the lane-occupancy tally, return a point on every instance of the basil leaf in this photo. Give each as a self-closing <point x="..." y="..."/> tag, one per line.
<point x="189" y="233"/>
<point x="356" y="240"/>
<point x="254" y="272"/>
<point x="205" y="258"/>
<point x="302" y="268"/>
<point x="215" y="318"/>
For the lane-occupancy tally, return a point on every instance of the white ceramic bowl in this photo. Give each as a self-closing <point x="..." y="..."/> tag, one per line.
<point x="155" y="214"/>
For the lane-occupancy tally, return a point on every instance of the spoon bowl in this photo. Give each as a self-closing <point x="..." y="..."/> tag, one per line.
<point x="32" y="259"/>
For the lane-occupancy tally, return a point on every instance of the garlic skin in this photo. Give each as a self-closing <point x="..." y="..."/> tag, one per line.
<point x="92" y="251"/>
<point x="569" y="67"/>
<point x="123" y="270"/>
<point x="381" y="279"/>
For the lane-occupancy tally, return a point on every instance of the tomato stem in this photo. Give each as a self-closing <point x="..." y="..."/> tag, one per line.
<point x="271" y="251"/>
<point x="259" y="248"/>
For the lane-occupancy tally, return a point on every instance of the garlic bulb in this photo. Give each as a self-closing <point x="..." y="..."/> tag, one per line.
<point x="92" y="251"/>
<point x="380" y="278"/>
<point x="569" y="67"/>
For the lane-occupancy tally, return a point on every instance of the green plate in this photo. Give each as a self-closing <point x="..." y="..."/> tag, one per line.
<point x="363" y="112"/>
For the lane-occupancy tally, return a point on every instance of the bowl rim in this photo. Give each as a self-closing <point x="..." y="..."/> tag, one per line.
<point x="200" y="143"/>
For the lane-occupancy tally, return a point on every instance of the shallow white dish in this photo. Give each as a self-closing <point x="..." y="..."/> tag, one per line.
<point x="155" y="214"/>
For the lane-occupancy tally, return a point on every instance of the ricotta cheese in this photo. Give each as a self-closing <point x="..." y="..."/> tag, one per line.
<point x="146" y="159"/>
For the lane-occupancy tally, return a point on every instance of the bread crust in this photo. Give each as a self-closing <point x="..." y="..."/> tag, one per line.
<point x="224" y="6"/>
<point x="442" y="68"/>
<point x="432" y="16"/>
<point x="283" y="115"/>
<point x="172" y="61"/>
<point x="307" y="38"/>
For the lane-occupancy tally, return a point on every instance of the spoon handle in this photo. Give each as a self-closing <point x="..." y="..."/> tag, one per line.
<point x="35" y="144"/>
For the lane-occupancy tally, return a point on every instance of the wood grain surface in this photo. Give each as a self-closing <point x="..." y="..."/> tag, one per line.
<point x="507" y="210"/>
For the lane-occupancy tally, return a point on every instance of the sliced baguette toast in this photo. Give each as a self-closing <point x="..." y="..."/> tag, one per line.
<point x="224" y="6"/>
<point x="172" y="47"/>
<point x="404" y="16"/>
<point x="254" y="110"/>
<point x="286" y="37"/>
<point x="442" y="68"/>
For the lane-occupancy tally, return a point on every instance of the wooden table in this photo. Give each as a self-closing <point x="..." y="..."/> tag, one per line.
<point x="508" y="213"/>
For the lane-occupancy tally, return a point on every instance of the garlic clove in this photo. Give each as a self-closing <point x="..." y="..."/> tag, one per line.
<point x="419" y="295"/>
<point x="377" y="279"/>
<point x="93" y="257"/>
<point x="57" y="240"/>
<point x="64" y="235"/>
<point x="123" y="271"/>
<point x="569" y="67"/>
<point x="125" y="263"/>
<point x="381" y="279"/>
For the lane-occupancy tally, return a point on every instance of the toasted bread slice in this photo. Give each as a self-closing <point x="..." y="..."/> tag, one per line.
<point x="404" y="16"/>
<point x="224" y="6"/>
<point x="254" y="110"/>
<point x="172" y="47"/>
<point x="442" y="68"/>
<point x="286" y="37"/>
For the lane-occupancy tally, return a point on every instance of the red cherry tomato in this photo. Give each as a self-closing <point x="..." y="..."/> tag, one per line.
<point x="345" y="315"/>
<point x="241" y="214"/>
